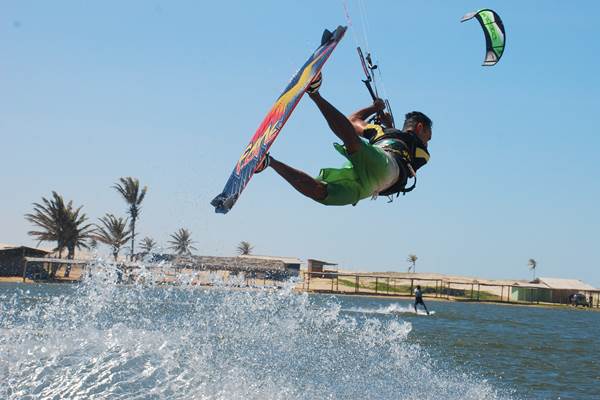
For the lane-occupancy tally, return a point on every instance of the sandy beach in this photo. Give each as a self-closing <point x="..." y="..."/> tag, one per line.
<point x="435" y="286"/>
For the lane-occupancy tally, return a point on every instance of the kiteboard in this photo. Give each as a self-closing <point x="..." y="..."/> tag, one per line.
<point x="272" y="124"/>
<point x="418" y="312"/>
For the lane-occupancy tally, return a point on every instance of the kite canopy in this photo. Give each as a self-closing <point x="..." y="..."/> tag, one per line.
<point x="495" y="37"/>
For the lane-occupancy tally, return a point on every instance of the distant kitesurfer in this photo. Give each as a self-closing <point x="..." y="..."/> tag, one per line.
<point x="381" y="158"/>
<point x="419" y="299"/>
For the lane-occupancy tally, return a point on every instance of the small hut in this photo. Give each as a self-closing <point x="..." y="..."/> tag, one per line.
<point x="551" y="290"/>
<point x="319" y="266"/>
<point x="12" y="258"/>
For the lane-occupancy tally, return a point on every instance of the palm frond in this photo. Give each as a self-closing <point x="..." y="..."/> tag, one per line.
<point x="113" y="232"/>
<point x="182" y="242"/>
<point x="147" y="244"/>
<point x="61" y="222"/>
<point x="244" y="248"/>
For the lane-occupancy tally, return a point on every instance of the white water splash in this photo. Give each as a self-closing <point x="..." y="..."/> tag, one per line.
<point x="100" y="340"/>
<point x="391" y="309"/>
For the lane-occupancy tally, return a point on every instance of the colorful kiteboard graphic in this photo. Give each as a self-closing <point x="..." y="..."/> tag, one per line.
<point x="495" y="36"/>
<point x="270" y="127"/>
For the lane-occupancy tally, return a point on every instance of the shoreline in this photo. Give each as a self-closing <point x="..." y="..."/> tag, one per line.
<point x="456" y="300"/>
<point x="299" y="289"/>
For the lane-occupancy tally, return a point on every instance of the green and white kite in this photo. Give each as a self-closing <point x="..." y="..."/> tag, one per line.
<point x="495" y="37"/>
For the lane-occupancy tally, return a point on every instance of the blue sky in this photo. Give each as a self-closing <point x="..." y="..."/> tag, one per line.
<point x="171" y="92"/>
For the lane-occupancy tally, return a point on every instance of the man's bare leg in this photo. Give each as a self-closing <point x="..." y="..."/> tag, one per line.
<point x="338" y="122"/>
<point x="301" y="181"/>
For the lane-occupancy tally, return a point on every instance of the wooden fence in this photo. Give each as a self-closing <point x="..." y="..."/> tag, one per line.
<point x="381" y="285"/>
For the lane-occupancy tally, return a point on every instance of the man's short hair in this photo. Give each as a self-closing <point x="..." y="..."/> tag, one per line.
<point x="414" y="117"/>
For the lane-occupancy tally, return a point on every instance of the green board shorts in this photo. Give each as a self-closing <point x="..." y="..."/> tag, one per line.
<point x="358" y="178"/>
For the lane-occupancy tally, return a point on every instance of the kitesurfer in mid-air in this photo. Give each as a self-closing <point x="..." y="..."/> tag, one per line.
<point x="381" y="159"/>
<point x="419" y="299"/>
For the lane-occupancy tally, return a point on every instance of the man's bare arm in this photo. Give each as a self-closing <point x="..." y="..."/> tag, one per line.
<point x="359" y="118"/>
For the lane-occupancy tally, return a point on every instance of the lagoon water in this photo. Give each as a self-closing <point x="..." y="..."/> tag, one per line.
<point x="99" y="340"/>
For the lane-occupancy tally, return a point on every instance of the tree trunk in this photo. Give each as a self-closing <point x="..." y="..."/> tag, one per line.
<point x="132" y="238"/>
<point x="70" y="256"/>
<point x="55" y="266"/>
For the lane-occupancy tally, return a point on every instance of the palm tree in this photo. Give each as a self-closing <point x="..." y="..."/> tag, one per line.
<point x="62" y="223"/>
<point x="532" y="266"/>
<point x="77" y="233"/>
<point x="147" y="245"/>
<point x="412" y="258"/>
<point x="77" y="230"/>
<point x="130" y="190"/>
<point x="244" y="248"/>
<point x="113" y="232"/>
<point x="182" y="242"/>
<point x="50" y="217"/>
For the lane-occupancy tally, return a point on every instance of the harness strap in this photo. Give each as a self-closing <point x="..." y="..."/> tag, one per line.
<point x="403" y="159"/>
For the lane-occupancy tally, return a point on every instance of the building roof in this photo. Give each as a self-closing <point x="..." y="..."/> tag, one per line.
<point x="320" y="262"/>
<point x="530" y="285"/>
<point x="285" y="260"/>
<point x="6" y="246"/>
<point x="55" y="260"/>
<point x="558" y="283"/>
<point x="212" y="263"/>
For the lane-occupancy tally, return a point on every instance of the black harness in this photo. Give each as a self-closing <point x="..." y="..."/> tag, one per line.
<point x="403" y="147"/>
